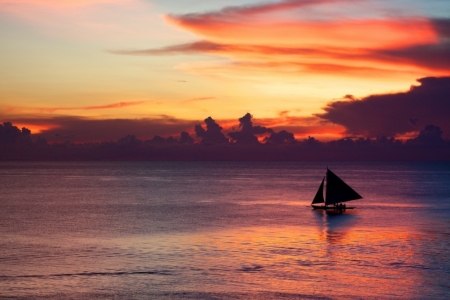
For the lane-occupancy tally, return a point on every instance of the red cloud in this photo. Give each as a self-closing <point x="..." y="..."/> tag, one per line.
<point x="350" y="61"/>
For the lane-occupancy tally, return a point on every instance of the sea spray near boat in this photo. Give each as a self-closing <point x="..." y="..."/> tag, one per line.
<point x="336" y="192"/>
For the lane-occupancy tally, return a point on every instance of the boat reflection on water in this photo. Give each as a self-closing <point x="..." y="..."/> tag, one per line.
<point x="334" y="226"/>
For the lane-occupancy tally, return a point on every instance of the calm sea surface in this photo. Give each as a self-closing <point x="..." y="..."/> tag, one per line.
<point x="220" y="230"/>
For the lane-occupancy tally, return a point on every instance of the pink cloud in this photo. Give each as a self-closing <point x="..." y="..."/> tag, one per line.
<point x="96" y="21"/>
<point x="59" y="3"/>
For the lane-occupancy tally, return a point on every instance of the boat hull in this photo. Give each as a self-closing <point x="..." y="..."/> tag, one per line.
<point x="329" y="207"/>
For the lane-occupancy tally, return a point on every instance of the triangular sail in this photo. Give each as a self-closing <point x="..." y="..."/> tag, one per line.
<point x="319" y="195"/>
<point x="338" y="191"/>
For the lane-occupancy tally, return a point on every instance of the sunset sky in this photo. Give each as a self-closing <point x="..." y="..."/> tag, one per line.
<point x="91" y="70"/>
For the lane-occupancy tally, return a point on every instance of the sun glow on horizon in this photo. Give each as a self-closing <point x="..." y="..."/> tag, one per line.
<point x="131" y="59"/>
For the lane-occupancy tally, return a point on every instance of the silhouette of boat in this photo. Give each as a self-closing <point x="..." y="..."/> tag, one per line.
<point x="336" y="192"/>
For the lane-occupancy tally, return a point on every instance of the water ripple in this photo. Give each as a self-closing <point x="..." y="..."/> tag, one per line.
<point x="119" y="273"/>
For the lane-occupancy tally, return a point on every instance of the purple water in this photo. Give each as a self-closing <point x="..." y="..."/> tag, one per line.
<point x="221" y="230"/>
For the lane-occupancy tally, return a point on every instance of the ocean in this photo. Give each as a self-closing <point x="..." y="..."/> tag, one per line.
<point x="222" y="230"/>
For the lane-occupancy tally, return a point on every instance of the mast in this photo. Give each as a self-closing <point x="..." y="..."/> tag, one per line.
<point x="319" y="195"/>
<point x="338" y="191"/>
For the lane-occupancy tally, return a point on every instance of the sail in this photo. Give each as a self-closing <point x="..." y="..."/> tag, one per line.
<point x="319" y="195"/>
<point x="338" y="191"/>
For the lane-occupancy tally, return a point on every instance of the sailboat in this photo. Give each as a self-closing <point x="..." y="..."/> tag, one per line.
<point x="336" y="192"/>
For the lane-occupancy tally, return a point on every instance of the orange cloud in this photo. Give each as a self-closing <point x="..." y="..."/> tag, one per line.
<point x="307" y="23"/>
<point x="369" y="34"/>
<point x="309" y="37"/>
<point x="303" y="127"/>
<point x="35" y="128"/>
<point x="286" y="38"/>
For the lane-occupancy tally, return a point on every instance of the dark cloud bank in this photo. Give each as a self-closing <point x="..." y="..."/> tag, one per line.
<point x="424" y="109"/>
<point x="395" y="114"/>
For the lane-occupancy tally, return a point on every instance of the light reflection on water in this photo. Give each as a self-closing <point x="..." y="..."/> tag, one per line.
<point x="221" y="231"/>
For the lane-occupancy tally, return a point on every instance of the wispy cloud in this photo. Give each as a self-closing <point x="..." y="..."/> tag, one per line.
<point x="217" y="48"/>
<point x="198" y="99"/>
<point x="62" y="108"/>
<point x="357" y="61"/>
<point x="244" y="12"/>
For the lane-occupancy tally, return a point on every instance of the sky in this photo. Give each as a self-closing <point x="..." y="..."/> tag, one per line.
<point x="93" y="70"/>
